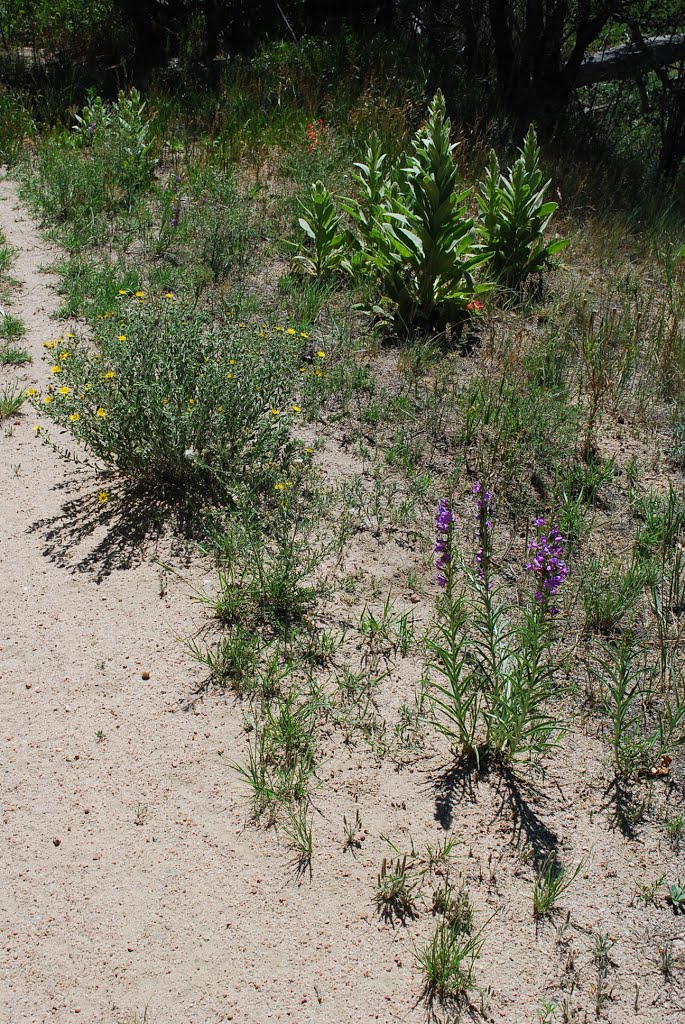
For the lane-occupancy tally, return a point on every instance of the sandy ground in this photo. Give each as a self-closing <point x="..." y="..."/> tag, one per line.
<point x="130" y="877"/>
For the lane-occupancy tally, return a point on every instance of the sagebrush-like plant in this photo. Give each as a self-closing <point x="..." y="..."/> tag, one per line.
<point x="174" y="404"/>
<point x="514" y="217"/>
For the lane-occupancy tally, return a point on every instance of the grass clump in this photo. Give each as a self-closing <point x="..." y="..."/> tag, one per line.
<point x="11" y="402"/>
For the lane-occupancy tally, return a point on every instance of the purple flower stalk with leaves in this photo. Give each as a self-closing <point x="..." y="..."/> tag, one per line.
<point x="547" y="564"/>
<point x="483" y="532"/>
<point x="444" y="520"/>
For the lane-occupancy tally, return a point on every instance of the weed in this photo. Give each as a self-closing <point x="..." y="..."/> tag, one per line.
<point x="11" y="327"/>
<point x="602" y="959"/>
<point x="550" y="883"/>
<point x="676" y="896"/>
<point x="11" y="402"/>
<point x="675" y="830"/>
<point x="14" y="356"/>
<point x="355" y="833"/>
<point x="396" y="889"/>
<point x="649" y="891"/>
<point x="448" y="961"/>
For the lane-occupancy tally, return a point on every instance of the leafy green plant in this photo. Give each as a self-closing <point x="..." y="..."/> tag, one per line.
<point x="550" y="883"/>
<point x="641" y="731"/>
<point x="11" y="327"/>
<point x="119" y="132"/>
<point x="417" y="236"/>
<point x="173" y="404"/>
<point x="322" y="226"/>
<point x="496" y="673"/>
<point x="610" y="592"/>
<point x="676" y="895"/>
<point x="514" y="217"/>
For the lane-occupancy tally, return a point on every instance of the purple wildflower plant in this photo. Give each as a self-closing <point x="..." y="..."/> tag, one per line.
<point x="483" y="532"/>
<point x="444" y="520"/>
<point x="547" y="564"/>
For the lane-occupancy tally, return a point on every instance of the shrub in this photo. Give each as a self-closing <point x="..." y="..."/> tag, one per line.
<point x="174" y="404"/>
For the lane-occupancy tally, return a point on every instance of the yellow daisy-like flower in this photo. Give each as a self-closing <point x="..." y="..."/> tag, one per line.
<point x="231" y="362"/>
<point x="88" y="386"/>
<point x="55" y="369"/>
<point x="291" y="330"/>
<point x="74" y="417"/>
<point x="219" y="408"/>
<point x="30" y="392"/>
<point x="47" y="399"/>
<point x="168" y="295"/>
<point x="65" y="390"/>
<point x="279" y="487"/>
<point x="139" y="295"/>
<point x="122" y="291"/>
<point x="64" y="355"/>
<point x="165" y="401"/>
<point x="309" y="451"/>
<point x="106" y="314"/>
<point x="319" y="373"/>
<point x="295" y="408"/>
<point x="122" y="337"/>
<point x="242" y="325"/>
<point x="229" y="376"/>
<point x="277" y="328"/>
<point x="191" y="401"/>
<point x="37" y="428"/>
<point x="69" y="335"/>
<point x="303" y="334"/>
<point x="103" y="496"/>
<point x="321" y="355"/>
<point x="303" y="369"/>
<point x="101" y="413"/>
<point x="274" y="412"/>
<point x="49" y="344"/>
<point x="109" y="375"/>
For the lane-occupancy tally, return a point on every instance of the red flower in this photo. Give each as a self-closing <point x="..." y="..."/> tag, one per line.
<point x="473" y="306"/>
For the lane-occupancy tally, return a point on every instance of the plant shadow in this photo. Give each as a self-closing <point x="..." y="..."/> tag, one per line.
<point x="95" y="536"/>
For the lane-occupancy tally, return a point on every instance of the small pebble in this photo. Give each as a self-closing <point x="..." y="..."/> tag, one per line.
<point x="56" y="841"/>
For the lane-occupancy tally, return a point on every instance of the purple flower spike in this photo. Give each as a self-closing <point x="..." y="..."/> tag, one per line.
<point x="444" y="518"/>
<point x="547" y="564"/>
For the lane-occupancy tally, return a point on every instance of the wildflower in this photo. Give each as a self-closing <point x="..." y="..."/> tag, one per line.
<point x="88" y="385"/>
<point x="168" y="295"/>
<point x="65" y="354"/>
<point x="321" y="355"/>
<point x="108" y="376"/>
<point x="55" y="369"/>
<point x="69" y="334"/>
<point x="191" y="401"/>
<point x="303" y="334"/>
<point x="309" y="451"/>
<point x="229" y="376"/>
<point x="165" y="401"/>
<point x="291" y="331"/>
<point x="103" y="496"/>
<point x="547" y="564"/>
<point x="30" y="392"/>
<point x="473" y="306"/>
<point x="189" y="454"/>
<point x="37" y="428"/>
<point x="74" y="417"/>
<point x="444" y="518"/>
<point x="101" y="413"/>
<point x="279" y="487"/>
<point x="122" y="337"/>
<point x="47" y="399"/>
<point x="139" y="295"/>
<point x="49" y="344"/>
<point x="65" y="390"/>
<point x="231" y="362"/>
<point x="122" y="291"/>
<point x="275" y="412"/>
<point x="295" y="408"/>
<point x="219" y="408"/>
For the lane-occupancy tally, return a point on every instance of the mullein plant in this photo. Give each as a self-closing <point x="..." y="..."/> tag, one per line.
<point x="493" y="672"/>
